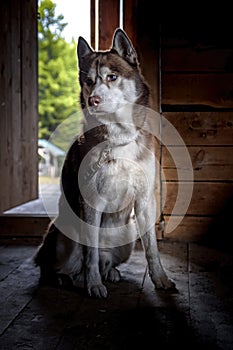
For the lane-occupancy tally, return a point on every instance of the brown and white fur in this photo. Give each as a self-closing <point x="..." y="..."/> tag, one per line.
<point x="100" y="218"/>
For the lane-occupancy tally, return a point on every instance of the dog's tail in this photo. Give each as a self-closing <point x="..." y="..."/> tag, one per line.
<point x="46" y="252"/>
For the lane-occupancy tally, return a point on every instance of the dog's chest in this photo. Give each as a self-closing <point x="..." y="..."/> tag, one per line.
<point x="123" y="174"/>
<point x="118" y="180"/>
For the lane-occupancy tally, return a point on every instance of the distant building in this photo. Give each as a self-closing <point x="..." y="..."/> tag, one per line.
<point x="50" y="158"/>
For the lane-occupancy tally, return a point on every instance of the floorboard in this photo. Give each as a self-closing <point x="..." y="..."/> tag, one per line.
<point x="134" y="316"/>
<point x="210" y="299"/>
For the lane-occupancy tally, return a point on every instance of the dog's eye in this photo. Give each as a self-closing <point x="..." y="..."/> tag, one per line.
<point x="89" y="82"/>
<point x="111" y="77"/>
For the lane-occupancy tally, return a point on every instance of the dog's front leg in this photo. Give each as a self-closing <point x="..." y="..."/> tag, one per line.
<point x="90" y="230"/>
<point x="146" y="223"/>
<point x="93" y="280"/>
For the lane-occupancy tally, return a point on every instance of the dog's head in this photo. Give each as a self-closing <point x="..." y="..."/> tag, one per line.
<point x="109" y="79"/>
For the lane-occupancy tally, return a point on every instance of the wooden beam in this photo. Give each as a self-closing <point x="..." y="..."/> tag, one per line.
<point x="214" y="90"/>
<point x="190" y="229"/>
<point x="16" y="229"/>
<point x="200" y="128"/>
<point x="130" y="20"/>
<point x="108" y="22"/>
<point x="18" y="103"/>
<point x="208" y="163"/>
<point x="208" y="198"/>
<point x="196" y="60"/>
<point x="92" y="14"/>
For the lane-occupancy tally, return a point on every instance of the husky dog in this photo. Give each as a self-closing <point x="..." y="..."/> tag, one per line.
<point x="108" y="177"/>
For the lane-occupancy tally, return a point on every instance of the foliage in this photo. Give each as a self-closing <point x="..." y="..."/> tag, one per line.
<point x="58" y="77"/>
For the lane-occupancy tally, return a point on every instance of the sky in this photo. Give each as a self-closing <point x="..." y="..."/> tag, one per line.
<point x="77" y="14"/>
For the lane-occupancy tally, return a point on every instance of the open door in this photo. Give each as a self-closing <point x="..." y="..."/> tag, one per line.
<point x="18" y="103"/>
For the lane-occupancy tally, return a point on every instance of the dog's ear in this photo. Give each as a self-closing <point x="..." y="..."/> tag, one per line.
<point x="123" y="46"/>
<point x="83" y="49"/>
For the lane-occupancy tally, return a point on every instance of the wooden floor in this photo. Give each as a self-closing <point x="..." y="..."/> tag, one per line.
<point x="134" y="316"/>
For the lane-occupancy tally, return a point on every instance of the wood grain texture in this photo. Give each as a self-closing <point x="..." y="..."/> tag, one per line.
<point x="191" y="228"/>
<point x="5" y="106"/>
<point x="208" y="163"/>
<point x="108" y="22"/>
<point x="130" y="19"/>
<point x="134" y="315"/>
<point x="18" y="90"/>
<point x="92" y="17"/>
<point x="207" y="198"/>
<point x="215" y="90"/>
<point x="29" y="103"/>
<point x="199" y="128"/>
<point x="15" y="229"/>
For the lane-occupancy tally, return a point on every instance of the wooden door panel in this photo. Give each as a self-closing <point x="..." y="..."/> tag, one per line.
<point x="18" y="103"/>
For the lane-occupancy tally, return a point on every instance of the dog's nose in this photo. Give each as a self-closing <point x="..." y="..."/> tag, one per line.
<point x="94" y="100"/>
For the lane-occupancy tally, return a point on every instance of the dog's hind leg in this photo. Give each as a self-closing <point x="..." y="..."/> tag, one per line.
<point x="107" y="270"/>
<point x="117" y="247"/>
<point x="53" y="254"/>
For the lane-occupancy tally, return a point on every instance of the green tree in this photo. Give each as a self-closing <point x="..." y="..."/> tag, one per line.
<point x="58" y="77"/>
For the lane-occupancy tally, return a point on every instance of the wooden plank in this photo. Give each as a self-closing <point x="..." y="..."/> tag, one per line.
<point x="130" y="8"/>
<point x="131" y="317"/>
<point x="148" y="49"/>
<point x="215" y="90"/>
<point x="149" y="61"/>
<point x="190" y="229"/>
<point x="108" y="22"/>
<point x="22" y="229"/>
<point x="199" y="128"/>
<point x="60" y="319"/>
<point x="5" y="104"/>
<point x="210" y="304"/>
<point x="207" y="198"/>
<point x="92" y="14"/>
<point x="208" y="59"/>
<point x="16" y="175"/>
<point x="198" y="37"/>
<point x="29" y="130"/>
<point x="209" y="163"/>
<point x="11" y="257"/>
<point x="24" y="278"/>
<point x="18" y="90"/>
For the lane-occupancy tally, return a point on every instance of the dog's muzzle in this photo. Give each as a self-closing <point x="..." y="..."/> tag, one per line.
<point x="94" y="101"/>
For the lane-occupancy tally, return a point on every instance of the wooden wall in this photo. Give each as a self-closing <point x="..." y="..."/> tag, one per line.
<point x="197" y="99"/>
<point x="18" y="102"/>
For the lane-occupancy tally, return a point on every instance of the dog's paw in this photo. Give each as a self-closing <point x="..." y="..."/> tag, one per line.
<point x="164" y="283"/>
<point x="169" y="284"/>
<point x="97" y="291"/>
<point x="113" y="275"/>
